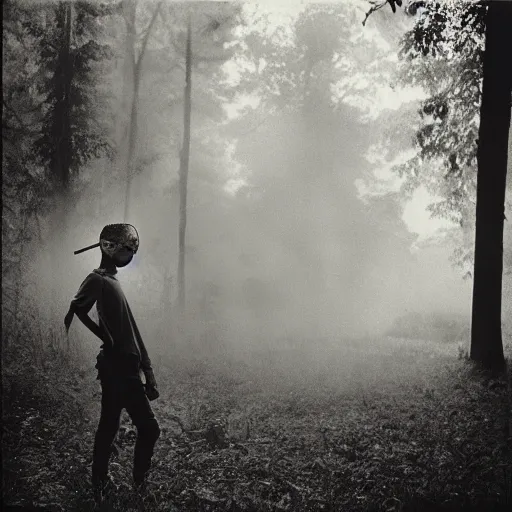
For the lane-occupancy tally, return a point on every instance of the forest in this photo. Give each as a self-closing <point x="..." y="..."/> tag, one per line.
<point x="324" y="277"/>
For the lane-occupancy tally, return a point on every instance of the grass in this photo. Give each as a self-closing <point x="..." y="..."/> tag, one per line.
<point x="373" y="425"/>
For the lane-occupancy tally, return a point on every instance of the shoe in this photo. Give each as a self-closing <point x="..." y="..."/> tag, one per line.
<point x="103" y="488"/>
<point x="143" y="493"/>
<point x="140" y="485"/>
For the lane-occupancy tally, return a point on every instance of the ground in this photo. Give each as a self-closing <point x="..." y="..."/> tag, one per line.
<point x="372" y="425"/>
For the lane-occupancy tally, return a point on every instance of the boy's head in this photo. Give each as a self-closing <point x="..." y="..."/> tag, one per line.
<point x="119" y="242"/>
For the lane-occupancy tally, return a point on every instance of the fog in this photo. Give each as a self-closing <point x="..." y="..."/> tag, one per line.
<point x="281" y="248"/>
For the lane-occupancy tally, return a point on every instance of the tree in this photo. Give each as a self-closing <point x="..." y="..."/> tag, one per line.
<point x="159" y="120"/>
<point x="135" y="58"/>
<point x="209" y="48"/>
<point x="53" y="122"/>
<point x="486" y="337"/>
<point x="184" y="165"/>
<point x="70" y="133"/>
<point x="24" y="187"/>
<point x="297" y="143"/>
<point x="443" y="54"/>
<point x="490" y="152"/>
<point x="447" y="41"/>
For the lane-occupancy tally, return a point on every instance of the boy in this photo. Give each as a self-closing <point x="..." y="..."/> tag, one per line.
<point x="121" y="359"/>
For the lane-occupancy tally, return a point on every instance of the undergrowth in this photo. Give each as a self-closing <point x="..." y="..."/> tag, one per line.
<point x="375" y="426"/>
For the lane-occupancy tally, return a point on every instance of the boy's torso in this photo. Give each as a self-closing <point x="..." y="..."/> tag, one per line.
<point x="116" y="318"/>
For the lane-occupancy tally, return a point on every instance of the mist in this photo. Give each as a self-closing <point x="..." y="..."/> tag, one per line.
<point x="302" y="177"/>
<point x="292" y="254"/>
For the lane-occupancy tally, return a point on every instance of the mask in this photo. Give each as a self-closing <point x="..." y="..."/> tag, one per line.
<point x="119" y="241"/>
<point x="122" y="257"/>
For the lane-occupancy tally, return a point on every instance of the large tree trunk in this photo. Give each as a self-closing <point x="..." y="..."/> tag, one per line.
<point x="62" y="156"/>
<point x="67" y="75"/>
<point x="61" y="123"/>
<point x="486" y="338"/>
<point x="184" y="164"/>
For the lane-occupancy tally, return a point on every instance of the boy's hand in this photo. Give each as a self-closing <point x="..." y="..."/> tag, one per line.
<point x="108" y="343"/>
<point x="151" y="385"/>
<point x="150" y="378"/>
<point x="68" y="319"/>
<point x="152" y="393"/>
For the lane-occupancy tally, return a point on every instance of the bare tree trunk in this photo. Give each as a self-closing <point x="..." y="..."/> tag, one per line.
<point x="19" y="280"/>
<point x="132" y="141"/>
<point x="133" y="126"/>
<point x="486" y="335"/>
<point x="130" y="14"/>
<point x="184" y="166"/>
<point x="122" y="122"/>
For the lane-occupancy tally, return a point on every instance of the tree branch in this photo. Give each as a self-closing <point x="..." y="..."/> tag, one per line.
<point x="147" y="34"/>
<point x="375" y="7"/>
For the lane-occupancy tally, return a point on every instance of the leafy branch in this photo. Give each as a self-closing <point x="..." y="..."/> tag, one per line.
<point x="376" y="5"/>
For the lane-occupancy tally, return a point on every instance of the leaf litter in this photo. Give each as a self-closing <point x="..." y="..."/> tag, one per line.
<point x="392" y="431"/>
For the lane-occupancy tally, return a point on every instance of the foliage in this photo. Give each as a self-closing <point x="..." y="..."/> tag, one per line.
<point x="383" y="426"/>
<point x="163" y="77"/>
<point x="82" y="104"/>
<point x="54" y="123"/>
<point x="301" y="146"/>
<point x="34" y="78"/>
<point x="321" y="52"/>
<point x="443" y="54"/>
<point x="24" y="187"/>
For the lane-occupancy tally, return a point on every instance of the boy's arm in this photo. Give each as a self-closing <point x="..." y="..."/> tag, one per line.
<point x="69" y="317"/>
<point x="91" y="324"/>
<point x="80" y="306"/>
<point x="145" y="363"/>
<point x="151" y="385"/>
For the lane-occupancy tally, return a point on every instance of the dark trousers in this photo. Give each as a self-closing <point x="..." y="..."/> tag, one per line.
<point x="122" y="392"/>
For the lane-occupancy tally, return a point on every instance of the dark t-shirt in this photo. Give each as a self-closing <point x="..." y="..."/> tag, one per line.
<point x="115" y="316"/>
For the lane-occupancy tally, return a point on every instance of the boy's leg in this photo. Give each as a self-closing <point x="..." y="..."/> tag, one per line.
<point x="148" y="430"/>
<point x="111" y="407"/>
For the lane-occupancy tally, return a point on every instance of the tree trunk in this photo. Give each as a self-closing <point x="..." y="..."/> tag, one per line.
<point x="68" y="77"/>
<point x="62" y="156"/>
<point x="130" y="9"/>
<point x="132" y="142"/>
<point x="184" y="164"/>
<point x="486" y="337"/>
<point x="137" y="74"/>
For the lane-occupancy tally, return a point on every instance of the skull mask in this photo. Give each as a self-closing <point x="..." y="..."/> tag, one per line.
<point x="120" y="242"/>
